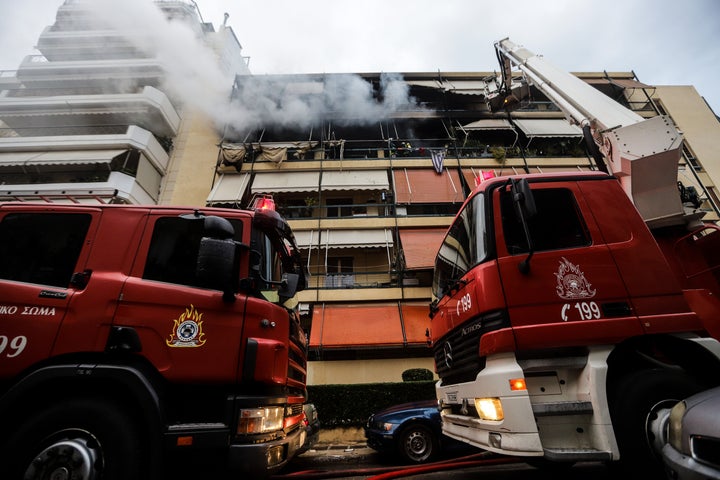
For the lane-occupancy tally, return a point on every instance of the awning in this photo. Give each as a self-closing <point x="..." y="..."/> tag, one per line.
<point x="462" y="87"/>
<point x="375" y="238"/>
<point x="368" y="325"/>
<point x="427" y="186"/>
<point x="466" y="87"/>
<point x="355" y="180"/>
<point x="233" y="153"/>
<point x="416" y="322"/>
<point x="547" y="127"/>
<point x="420" y="245"/>
<point x="74" y="157"/>
<point x="230" y="188"/>
<point x="489" y="124"/>
<point x="621" y="82"/>
<point x="16" y="159"/>
<point x="286" y="181"/>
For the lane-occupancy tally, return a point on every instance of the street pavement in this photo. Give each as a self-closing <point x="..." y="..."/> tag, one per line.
<point x="359" y="462"/>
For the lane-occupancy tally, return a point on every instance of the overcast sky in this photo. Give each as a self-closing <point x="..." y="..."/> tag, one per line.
<point x="664" y="42"/>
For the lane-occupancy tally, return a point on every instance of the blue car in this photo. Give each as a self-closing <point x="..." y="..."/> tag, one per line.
<point x="411" y="430"/>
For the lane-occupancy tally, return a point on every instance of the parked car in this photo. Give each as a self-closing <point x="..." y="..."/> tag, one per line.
<point x="312" y="427"/>
<point x="411" y="430"/>
<point x="692" y="450"/>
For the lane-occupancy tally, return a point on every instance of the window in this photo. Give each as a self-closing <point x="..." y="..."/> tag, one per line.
<point x="41" y="248"/>
<point x="267" y="263"/>
<point x="464" y="246"/>
<point x="339" y="265"/>
<point x="339" y="272"/>
<point x="174" y="250"/>
<point x="339" y="207"/>
<point x="557" y="224"/>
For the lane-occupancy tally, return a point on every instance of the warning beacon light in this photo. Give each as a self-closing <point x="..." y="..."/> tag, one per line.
<point x="484" y="175"/>
<point x="263" y="202"/>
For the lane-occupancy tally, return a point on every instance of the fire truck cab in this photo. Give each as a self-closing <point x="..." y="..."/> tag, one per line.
<point x="572" y="311"/>
<point x="133" y="338"/>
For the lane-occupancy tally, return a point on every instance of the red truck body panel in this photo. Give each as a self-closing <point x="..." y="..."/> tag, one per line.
<point x="119" y="304"/>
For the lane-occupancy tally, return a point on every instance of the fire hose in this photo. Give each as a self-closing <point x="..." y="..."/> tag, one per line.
<point x="388" y="473"/>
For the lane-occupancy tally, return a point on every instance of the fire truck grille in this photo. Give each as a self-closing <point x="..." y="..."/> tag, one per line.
<point x="297" y="354"/>
<point x="296" y="408"/>
<point x="457" y="359"/>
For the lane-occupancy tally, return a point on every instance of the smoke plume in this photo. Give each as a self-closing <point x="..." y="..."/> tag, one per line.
<point x="193" y="76"/>
<point x="346" y="98"/>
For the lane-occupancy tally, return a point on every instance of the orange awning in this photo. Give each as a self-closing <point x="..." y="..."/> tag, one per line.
<point x="368" y="325"/>
<point x="416" y="322"/>
<point x="420" y="245"/>
<point x="427" y="186"/>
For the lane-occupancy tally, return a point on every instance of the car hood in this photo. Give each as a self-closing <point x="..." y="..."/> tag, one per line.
<point x="407" y="407"/>
<point x="701" y="416"/>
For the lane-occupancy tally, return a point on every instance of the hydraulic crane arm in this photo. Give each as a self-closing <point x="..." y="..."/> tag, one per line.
<point x="642" y="153"/>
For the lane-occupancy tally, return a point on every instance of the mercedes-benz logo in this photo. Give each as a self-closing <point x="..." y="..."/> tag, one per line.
<point x="447" y="354"/>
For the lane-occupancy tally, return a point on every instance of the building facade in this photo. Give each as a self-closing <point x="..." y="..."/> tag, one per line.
<point x="370" y="169"/>
<point x="92" y="118"/>
<point x="371" y="177"/>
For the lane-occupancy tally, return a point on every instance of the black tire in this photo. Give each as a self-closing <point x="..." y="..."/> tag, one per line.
<point x="417" y="443"/>
<point x="638" y="398"/>
<point x="82" y="438"/>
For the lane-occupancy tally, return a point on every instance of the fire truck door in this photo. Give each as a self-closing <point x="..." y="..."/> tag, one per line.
<point x="39" y="252"/>
<point x="188" y="332"/>
<point x="572" y="288"/>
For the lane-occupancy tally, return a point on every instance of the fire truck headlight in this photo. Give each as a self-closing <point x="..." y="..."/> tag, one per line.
<point x="260" y="420"/>
<point x="489" y="408"/>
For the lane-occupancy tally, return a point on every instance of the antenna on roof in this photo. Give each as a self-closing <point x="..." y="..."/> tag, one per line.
<point x="227" y="15"/>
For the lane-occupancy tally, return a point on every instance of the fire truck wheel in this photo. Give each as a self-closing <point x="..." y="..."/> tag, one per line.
<point x="417" y="443"/>
<point x="639" y="401"/>
<point x="81" y="438"/>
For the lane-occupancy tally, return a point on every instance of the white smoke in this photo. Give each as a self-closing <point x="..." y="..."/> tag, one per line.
<point x="192" y="73"/>
<point x="301" y="101"/>
<point x="193" y="76"/>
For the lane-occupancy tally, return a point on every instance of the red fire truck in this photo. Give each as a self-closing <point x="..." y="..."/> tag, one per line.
<point x="134" y="339"/>
<point x="571" y="311"/>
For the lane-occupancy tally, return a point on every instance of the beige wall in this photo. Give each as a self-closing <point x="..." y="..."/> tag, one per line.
<point x="366" y="371"/>
<point x="698" y="124"/>
<point x="192" y="162"/>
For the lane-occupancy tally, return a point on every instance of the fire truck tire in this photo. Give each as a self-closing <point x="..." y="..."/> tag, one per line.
<point x="417" y="443"/>
<point x="638" y="399"/>
<point x="80" y="438"/>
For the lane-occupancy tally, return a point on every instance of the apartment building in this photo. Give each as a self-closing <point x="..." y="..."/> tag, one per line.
<point x="92" y="118"/>
<point x="371" y="168"/>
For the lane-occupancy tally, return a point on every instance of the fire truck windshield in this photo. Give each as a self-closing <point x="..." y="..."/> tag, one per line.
<point x="465" y="246"/>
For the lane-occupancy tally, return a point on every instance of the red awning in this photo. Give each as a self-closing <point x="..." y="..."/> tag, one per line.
<point x="427" y="186"/>
<point x="368" y="325"/>
<point x="420" y="245"/>
<point x="416" y="321"/>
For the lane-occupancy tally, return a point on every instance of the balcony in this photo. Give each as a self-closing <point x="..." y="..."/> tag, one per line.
<point x="63" y="45"/>
<point x="37" y="72"/>
<point x="150" y="109"/>
<point x="134" y="137"/>
<point x="116" y="188"/>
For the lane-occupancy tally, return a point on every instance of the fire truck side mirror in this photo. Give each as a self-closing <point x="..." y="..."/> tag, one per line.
<point x="524" y="199"/>
<point x="218" y="228"/>
<point x="216" y="265"/>
<point x="288" y="286"/>
<point x="525" y="207"/>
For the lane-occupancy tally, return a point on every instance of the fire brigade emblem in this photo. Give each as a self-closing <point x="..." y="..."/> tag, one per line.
<point x="187" y="330"/>
<point x="571" y="282"/>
